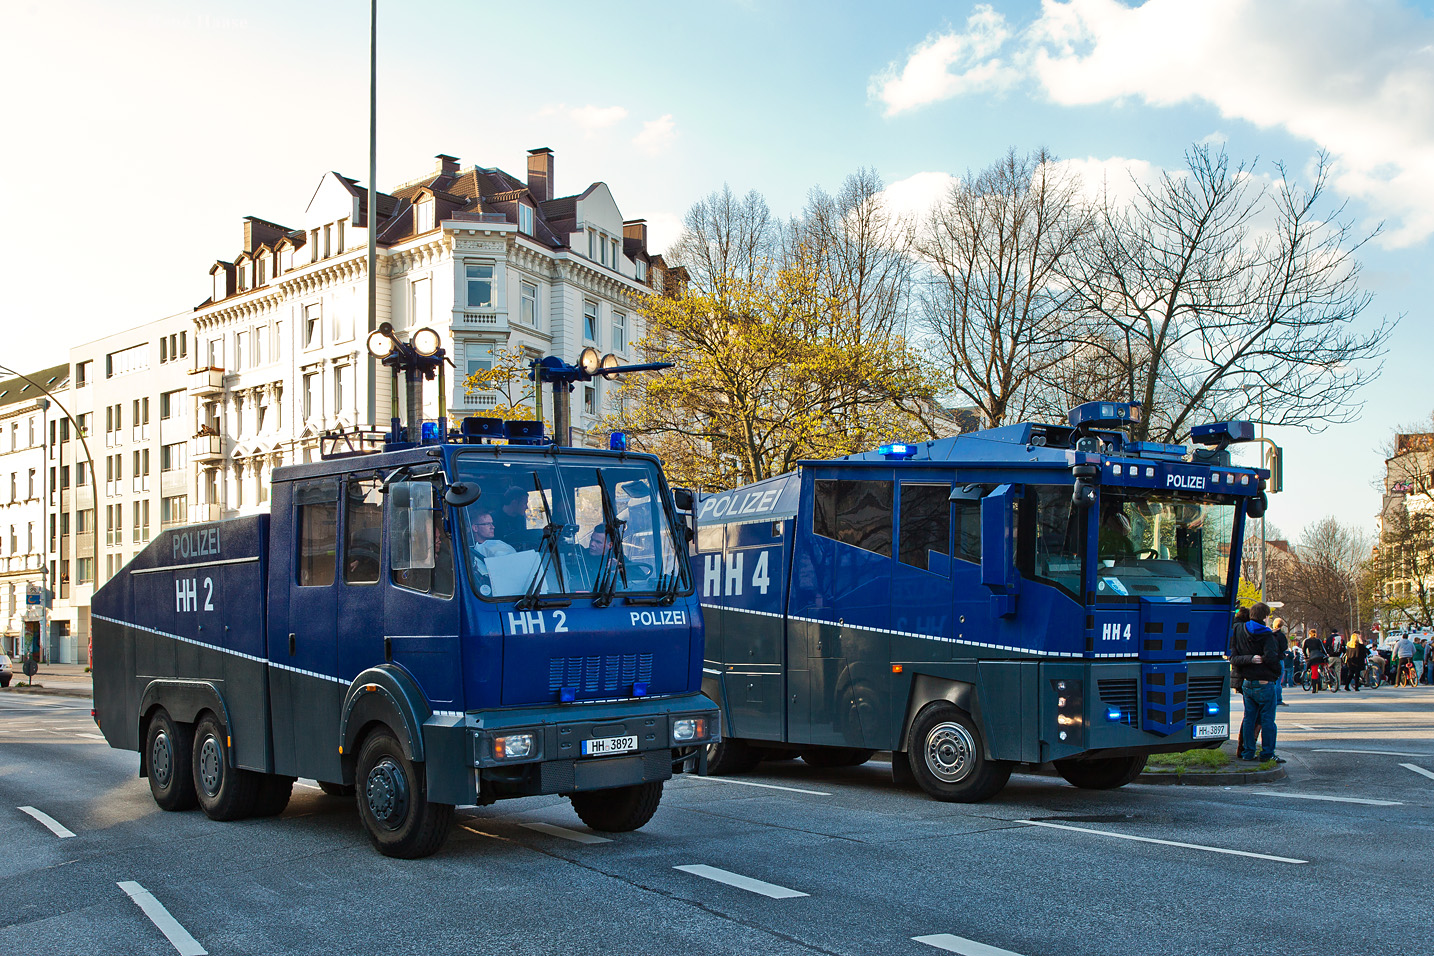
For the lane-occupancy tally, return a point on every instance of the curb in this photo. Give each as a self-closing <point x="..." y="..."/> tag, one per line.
<point x="42" y="690"/>
<point x="1223" y="779"/>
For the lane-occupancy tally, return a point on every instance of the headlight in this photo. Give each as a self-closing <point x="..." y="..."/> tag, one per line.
<point x="689" y="728"/>
<point x="513" y="746"/>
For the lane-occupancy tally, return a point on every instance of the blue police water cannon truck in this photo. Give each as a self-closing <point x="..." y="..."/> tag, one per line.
<point x="429" y="618"/>
<point x="1021" y="595"/>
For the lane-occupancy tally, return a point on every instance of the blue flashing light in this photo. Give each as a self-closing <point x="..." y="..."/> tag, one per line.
<point x="639" y="689"/>
<point x="430" y="432"/>
<point x="568" y="694"/>
<point x="617" y="441"/>
<point x="1115" y="414"/>
<point x="1112" y="714"/>
<point x="1222" y="433"/>
<point x="1212" y="708"/>
<point x="897" y="450"/>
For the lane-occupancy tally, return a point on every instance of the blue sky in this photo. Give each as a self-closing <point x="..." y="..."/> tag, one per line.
<point x="141" y="133"/>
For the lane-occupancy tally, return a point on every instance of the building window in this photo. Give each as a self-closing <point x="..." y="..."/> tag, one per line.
<point x="261" y="269"/>
<point x="476" y="365"/>
<point x="85" y="521"/>
<point x="82" y="373"/>
<point x="525" y="219"/>
<point x="339" y="248"/>
<point x="173" y="510"/>
<point x="82" y="474"/>
<point x="480" y="285"/>
<point x="133" y="359"/>
<point x="590" y="398"/>
<point x="619" y="332"/>
<point x="615" y="260"/>
<point x="260" y="340"/>
<point x="170" y="404"/>
<point x="602" y="249"/>
<point x="311" y="394"/>
<point x="343" y="382"/>
<point x="422" y="302"/>
<point x="313" y="245"/>
<point x="423" y="216"/>
<point x="241" y="350"/>
<point x="172" y="457"/>
<point x="641" y="266"/>
<point x="592" y="243"/>
<point x="30" y="491"/>
<point x="528" y="305"/>
<point x="313" y="316"/>
<point x="590" y="321"/>
<point x="343" y="325"/>
<point x="84" y="570"/>
<point x="328" y="240"/>
<point x="216" y="353"/>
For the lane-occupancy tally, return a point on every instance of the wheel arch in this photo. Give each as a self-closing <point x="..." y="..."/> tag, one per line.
<point x="383" y="695"/>
<point x="927" y="689"/>
<point x="184" y="701"/>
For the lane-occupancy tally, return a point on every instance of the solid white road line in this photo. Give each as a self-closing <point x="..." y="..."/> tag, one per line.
<point x="575" y="835"/>
<point x="1306" y="727"/>
<point x="764" y="786"/>
<point x="958" y="944"/>
<point x="1418" y="770"/>
<point x="178" y="937"/>
<point x="92" y="736"/>
<point x="1377" y="753"/>
<point x="1315" y="796"/>
<point x="1141" y="839"/>
<point x="308" y="784"/>
<point x="55" y="826"/>
<point x="771" y="890"/>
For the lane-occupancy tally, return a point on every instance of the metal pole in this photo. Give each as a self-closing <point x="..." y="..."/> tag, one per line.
<point x="373" y="166"/>
<point x="561" y="412"/>
<point x="1263" y="545"/>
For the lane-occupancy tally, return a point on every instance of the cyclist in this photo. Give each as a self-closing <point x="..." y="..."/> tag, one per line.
<point x="1315" y="657"/>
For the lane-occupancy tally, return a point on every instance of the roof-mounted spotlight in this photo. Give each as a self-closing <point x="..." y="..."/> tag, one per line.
<point x="589" y="361"/>
<point x="382" y="342"/>
<point x="1105" y="414"/>
<point x="426" y="342"/>
<point x="1220" y="434"/>
<point x="609" y="361"/>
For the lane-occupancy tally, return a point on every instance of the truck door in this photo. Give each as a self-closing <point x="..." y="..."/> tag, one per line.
<point x="360" y="595"/>
<point x="417" y="627"/>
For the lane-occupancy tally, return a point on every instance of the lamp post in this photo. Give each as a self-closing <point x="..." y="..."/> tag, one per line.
<point x="421" y="357"/>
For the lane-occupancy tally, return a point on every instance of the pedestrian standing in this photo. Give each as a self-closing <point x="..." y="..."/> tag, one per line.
<point x="1334" y="648"/>
<point x="1278" y="626"/>
<point x="1419" y="659"/>
<point x="1256" y="663"/>
<point x="1355" y="655"/>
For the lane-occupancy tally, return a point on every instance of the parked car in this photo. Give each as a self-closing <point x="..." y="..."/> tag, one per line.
<point x="6" y="670"/>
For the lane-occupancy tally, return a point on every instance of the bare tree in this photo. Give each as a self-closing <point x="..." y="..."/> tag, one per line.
<point x="1209" y="312"/>
<point x="726" y="242"/>
<point x="1322" y="582"/>
<point x="995" y="294"/>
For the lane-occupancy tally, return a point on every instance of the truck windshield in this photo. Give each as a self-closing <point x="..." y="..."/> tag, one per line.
<point x="1163" y="546"/>
<point x="547" y="523"/>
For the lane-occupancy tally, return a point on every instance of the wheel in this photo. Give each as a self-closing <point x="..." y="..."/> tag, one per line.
<point x="392" y="797"/>
<point x="1304" y="681"/>
<point x="273" y="795"/>
<point x="901" y="774"/>
<point x="730" y="755"/>
<point x="836" y="756"/>
<point x="5" y="681"/>
<point x="948" y="757"/>
<point x="224" y="792"/>
<point x="620" y="809"/>
<point x="1102" y="773"/>
<point x="167" y="748"/>
<point x="336" y="789"/>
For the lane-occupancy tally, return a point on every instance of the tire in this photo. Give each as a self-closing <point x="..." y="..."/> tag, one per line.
<point x="392" y="797"/>
<point x="168" y="750"/>
<point x="901" y="774"/>
<point x="1104" y="773"/>
<point x="836" y="756"/>
<point x="273" y="796"/>
<point x="948" y="757"/>
<point x="620" y="809"/>
<point x="224" y="792"/>
<point x="5" y="681"/>
<point x="1305" y="682"/>
<point x="730" y="755"/>
<point x="337" y="789"/>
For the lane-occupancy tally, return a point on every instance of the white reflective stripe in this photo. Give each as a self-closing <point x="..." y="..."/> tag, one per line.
<point x="576" y="836"/>
<point x="202" y="564"/>
<point x="1418" y="770"/>
<point x="54" y="825"/>
<point x="747" y="883"/>
<point x="178" y="937"/>
<point x="1316" y="796"/>
<point x="959" y="944"/>
<point x="1141" y="839"/>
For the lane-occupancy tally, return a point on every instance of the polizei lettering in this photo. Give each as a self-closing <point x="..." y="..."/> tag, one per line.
<point x="658" y="618"/>
<point x="196" y="543"/>
<point x="1188" y="482"/>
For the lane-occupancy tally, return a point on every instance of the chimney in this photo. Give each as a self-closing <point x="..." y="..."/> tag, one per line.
<point x="636" y="229"/>
<point x="447" y="165"/>
<point x="540" y="173"/>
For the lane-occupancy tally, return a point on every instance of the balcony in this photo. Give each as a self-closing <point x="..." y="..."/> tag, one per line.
<point x="206" y="448"/>
<point x="206" y="382"/>
<point x="484" y="320"/>
<point x="205" y="512"/>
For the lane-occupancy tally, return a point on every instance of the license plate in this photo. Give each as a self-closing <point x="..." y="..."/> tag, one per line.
<point x="602" y="746"/>
<point x="1203" y="731"/>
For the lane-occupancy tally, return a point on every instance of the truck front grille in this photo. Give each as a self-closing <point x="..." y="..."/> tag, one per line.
<point x="1199" y="692"/>
<point x="610" y="675"/>
<point x="1122" y="693"/>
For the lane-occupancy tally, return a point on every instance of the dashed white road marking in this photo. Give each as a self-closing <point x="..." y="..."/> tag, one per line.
<point x="1306" y="727"/>
<point x="1316" y="796"/>
<point x="55" y="827"/>
<point x="764" y="786"/>
<point x="177" y="935"/>
<point x="91" y="736"/>
<point x="1418" y="770"/>
<point x="577" y="836"/>
<point x="1377" y="753"/>
<point x="308" y="784"/>
<point x="747" y="883"/>
<point x="1141" y="839"/>
<point x="959" y="944"/>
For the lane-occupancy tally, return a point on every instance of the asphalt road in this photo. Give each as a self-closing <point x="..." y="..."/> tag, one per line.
<point x="847" y="863"/>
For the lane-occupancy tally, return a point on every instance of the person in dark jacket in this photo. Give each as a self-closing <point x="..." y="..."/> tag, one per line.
<point x="1256" y="662"/>
<point x="1355" y="656"/>
<point x="1315" y="657"/>
<point x="1278" y="626"/>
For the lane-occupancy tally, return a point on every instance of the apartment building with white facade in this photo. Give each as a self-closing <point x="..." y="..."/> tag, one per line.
<point x="25" y="416"/>
<point x="129" y="393"/>
<point x="484" y="258"/>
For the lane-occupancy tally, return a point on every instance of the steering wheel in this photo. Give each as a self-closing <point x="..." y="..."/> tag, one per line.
<point x="1147" y="552"/>
<point x="640" y="572"/>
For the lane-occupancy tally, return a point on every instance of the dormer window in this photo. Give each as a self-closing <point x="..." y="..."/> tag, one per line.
<point x="641" y="265"/>
<point x="602" y="249"/>
<point x="259" y="271"/>
<point x="219" y="290"/>
<point x="243" y="276"/>
<point x="525" y="219"/>
<point x="423" y="216"/>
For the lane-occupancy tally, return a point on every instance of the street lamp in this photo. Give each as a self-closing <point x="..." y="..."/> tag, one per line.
<point x="420" y="357"/>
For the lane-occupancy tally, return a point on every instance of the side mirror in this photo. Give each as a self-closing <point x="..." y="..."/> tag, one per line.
<point x="1087" y="478"/>
<point x="684" y="499"/>
<point x="461" y="494"/>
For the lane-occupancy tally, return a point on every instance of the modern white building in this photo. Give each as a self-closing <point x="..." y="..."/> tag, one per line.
<point x="25" y="414"/>
<point x="484" y="258"/>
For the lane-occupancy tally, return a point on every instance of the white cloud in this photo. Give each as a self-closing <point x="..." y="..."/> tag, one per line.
<point x="928" y="75"/>
<point x="1355" y="79"/>
<point x="1116" y="177"/>
<point x="597" y="117"/>
<point x="663" y="228"/>
<point x="657" y="135"/>
<point x="914" y="196"/>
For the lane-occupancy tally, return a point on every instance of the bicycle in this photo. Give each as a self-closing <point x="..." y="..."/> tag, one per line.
<point x="1407" y="676"/>
<point x="1373" y="676"/>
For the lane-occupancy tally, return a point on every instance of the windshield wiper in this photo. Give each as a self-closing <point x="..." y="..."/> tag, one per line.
<point x="606" y="585"/>
<point x="532" y="598"/>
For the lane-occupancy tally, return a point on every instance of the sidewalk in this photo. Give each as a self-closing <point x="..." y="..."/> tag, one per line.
<point x="68" y="680"/>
